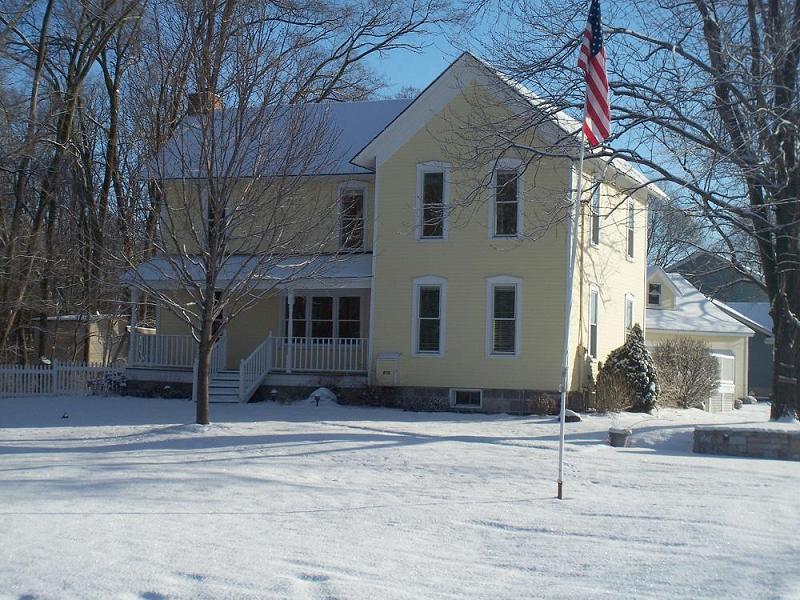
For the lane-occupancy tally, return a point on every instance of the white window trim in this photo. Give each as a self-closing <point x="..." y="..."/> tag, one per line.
<point x="453" y="403"/>
<point x="598" y="192"/>
<point x="630" y="209"/>
<point x="721" y="355"/>
<point x="432" y="167"/>
<point x="506" y="164"/>
<point x="593" y="289"/>
<point x="426" y="281"/>
<point x="632" y="299"/>
<point x="335" y="294"/>
<point x="363" y="187"/>
<point x="491" y="283"/>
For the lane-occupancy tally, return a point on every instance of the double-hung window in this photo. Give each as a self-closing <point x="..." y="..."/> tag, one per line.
<point x="321" y="317"/>
<point x="631" y="224"/>
<point x="352" y="199"/>
<point x="429" y="319"/>
<point x="506" y="203"/>
<point x="432" y="191"/>
<point x="628" y="313"/>
<point x="503" y="315"/>
<point x="349" y="317"/>
<point x="595" y="210"/>
<point x="594" y="310"/>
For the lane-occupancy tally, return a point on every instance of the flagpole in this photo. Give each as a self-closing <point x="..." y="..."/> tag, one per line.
<point x="573" y="229"/>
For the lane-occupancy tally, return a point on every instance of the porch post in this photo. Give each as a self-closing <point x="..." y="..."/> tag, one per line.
<point x="132" y="337"/>
<point x="290" y="331"/>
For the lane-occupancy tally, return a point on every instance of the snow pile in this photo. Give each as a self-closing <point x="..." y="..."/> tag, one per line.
<point x="279" y="501"/>
<point x="321" y="396"/>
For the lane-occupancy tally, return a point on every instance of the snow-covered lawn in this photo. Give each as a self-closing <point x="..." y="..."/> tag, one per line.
<point x="121" y="501"/>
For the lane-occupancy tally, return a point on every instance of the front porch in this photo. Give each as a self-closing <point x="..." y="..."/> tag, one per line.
<point x="287" y="354"/>
<point x="314" y="326"/>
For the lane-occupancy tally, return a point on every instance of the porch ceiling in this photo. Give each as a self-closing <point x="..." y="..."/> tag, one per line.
<point x="351" y="271"/>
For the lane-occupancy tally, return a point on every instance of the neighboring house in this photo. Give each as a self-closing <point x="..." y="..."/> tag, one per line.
<point x="675" y="308"/>
<point x="760" y="348"/>
<point x="717" y="278"/>
<point x="84" y="338"/>
<point x="449" y="304"/>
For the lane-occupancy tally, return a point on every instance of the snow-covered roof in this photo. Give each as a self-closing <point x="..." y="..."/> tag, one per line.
<point x="692" y="311"/>
<point x="755" y="312"/>
<point x="336" y="129"/>
<point x="350" y="270"/>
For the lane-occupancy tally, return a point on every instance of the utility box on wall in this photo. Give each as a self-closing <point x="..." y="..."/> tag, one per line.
<point x="386" y="368"/>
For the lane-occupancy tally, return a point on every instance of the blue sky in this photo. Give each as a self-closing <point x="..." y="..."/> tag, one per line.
<point x="401" y="68"/>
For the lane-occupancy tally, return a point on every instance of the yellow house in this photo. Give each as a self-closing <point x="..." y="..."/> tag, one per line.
<point x="453" y="294"/>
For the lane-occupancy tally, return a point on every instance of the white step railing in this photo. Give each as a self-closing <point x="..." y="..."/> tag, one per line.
<point x="254" y="368"/>
<point x="58" y="378"/>
<point x="219" y="356"/>
<point x="163" y="350"/>
<point x="328" y="355"/>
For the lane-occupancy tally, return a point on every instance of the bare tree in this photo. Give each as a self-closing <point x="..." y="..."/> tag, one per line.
<point x="704" y="97"/>
<point x="672" y="233"/>
<point x="54" y="46"/>
<point x="100" y="88"/>
<point x="235" y="210"/>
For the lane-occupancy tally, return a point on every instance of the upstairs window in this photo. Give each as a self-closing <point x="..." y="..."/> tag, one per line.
<point x="351" y="218"/>
<point x="654" y="294"/>
<point x="432" y="190"/>
<point x="506" y="203"/>
<point x="631" y="222"/>
<point x="595" y="208"/>
<point x="429" y="303"/>
<point x="594" y="310"/>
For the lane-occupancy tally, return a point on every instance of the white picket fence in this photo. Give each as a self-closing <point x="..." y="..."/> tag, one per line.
<point x="58" y="378"/>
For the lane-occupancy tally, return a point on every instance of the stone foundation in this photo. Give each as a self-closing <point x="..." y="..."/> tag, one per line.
<point x="434" y="399"/>
<point x="752" y="442"/>
<point x="420" y="399"/>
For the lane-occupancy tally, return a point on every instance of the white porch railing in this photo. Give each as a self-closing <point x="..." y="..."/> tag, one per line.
<point x="160" y="350"/>
<point x="328" y="355"/>
<point x="254" y="368"/>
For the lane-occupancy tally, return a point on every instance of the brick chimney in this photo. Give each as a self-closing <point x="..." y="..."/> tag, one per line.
<point x="201" y="103"/>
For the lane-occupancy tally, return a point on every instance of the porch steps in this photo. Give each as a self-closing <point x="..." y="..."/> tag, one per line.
<point x="224" y="387"/>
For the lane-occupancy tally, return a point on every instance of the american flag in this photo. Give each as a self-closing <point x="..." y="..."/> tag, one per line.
<point x="592" y="61"/>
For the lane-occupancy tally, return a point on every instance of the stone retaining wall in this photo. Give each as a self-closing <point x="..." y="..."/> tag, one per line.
<point x="756" y="443"/>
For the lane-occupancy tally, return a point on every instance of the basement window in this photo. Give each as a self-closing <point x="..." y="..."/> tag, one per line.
<point x="466" y="398"/>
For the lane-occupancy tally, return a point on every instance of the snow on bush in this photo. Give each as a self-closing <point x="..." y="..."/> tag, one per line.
<point x="687" y="373"/>
<point x="627" y="380"/>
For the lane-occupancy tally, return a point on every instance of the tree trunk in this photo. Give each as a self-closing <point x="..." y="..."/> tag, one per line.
<point x="201" y="384"/>
<point x="786" y="370"/>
